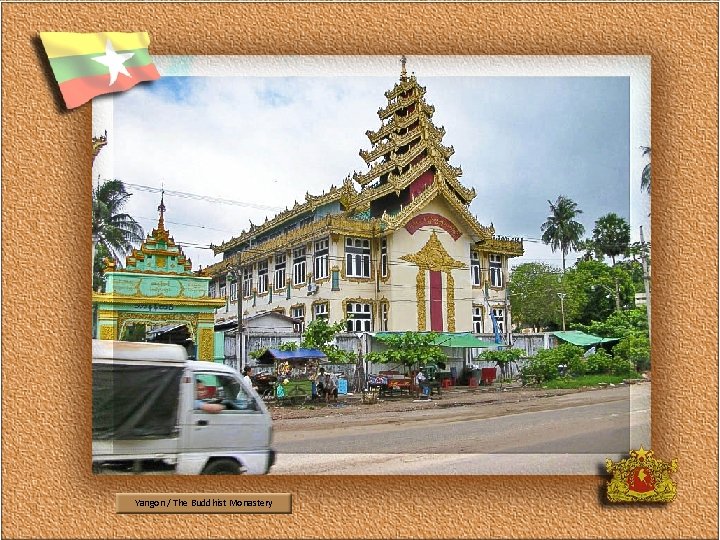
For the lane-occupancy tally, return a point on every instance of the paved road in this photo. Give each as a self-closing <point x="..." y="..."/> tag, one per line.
<point x="572" y="435"/>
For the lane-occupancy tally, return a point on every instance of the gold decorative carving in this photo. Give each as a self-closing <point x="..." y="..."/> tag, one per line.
<point x="433" y="256"/>
<point x="338" y="224"/>
<point x="98" y="143"/>
<point x="402" y="102"/>
<point x="127" y="318"/>
<point x="420" y="297"/>
<point x="345" y="193"/>
<point x="107" y="314"/>
<point x="202" y="302"/>
<point x="450" y="301"/>
<point x="108" y="332"/>
<point x="206" y="347"/>
<point x="512" y="247"/>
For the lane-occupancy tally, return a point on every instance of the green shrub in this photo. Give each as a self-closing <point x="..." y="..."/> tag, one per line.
<point x="541" y="367"/>
<point x="634" y="348"/>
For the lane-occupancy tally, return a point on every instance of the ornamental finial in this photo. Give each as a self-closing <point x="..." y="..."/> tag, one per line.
<point x="403" y="72"/>
<point x="161" y="209"/>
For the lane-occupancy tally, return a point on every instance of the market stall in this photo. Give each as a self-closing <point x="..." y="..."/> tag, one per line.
<point x="295" y="372"/>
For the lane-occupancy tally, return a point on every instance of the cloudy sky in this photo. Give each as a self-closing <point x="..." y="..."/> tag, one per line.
<point x="236" y="144"/>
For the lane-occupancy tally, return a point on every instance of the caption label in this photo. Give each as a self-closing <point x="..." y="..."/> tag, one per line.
<point x="203" y="503"/>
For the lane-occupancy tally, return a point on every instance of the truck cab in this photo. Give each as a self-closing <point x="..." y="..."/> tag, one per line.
<point x="147" y="410"/>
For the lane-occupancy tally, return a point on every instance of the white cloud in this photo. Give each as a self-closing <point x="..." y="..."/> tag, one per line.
<point x="269" y="140"/>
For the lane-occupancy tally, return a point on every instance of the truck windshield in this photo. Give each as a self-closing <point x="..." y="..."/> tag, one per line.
<point x="224" y="389"/>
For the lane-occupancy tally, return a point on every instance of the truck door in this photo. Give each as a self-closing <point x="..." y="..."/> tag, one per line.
<point x="225" y="416"/>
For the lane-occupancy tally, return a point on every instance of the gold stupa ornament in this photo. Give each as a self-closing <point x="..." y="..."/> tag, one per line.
<point x="408" y="146"/>
<point x="641" y="478"/>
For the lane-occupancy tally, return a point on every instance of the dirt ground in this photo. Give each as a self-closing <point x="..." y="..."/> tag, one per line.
<point x="458" y="396"/>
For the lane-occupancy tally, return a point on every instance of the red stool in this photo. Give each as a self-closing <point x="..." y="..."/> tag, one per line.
<point x="472" y="383"/>
<point x="446" y="383"/>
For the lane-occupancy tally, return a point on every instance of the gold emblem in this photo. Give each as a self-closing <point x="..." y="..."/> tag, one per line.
<point x="641" y="478"/>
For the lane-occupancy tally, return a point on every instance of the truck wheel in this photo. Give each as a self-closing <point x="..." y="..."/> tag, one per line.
<point x="222" y="466"/>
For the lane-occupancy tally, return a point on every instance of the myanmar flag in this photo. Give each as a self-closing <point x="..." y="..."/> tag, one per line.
<point x="88" y="65"/>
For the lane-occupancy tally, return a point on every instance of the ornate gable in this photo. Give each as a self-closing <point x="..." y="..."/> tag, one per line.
<point x="158" y="254"/>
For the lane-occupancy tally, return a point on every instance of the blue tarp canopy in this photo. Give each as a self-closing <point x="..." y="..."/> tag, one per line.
<point x="272" y="355"/>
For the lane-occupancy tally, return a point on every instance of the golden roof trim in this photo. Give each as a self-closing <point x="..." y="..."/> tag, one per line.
<point x="402" y="102"/>
<point x="330" y="224"/>
<point x="111" y="298"/>
<point x="345" y="194"/>
<point x="438" y="187"/>
<point x="403" y="86"/>
<point x="512" y="247"/>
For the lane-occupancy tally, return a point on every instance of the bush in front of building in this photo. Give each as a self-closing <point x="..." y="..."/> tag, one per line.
<point x="634" y="348"/>
<point x="568" y="361"/>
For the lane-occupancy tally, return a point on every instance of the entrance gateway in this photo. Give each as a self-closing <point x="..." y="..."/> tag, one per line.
<point x="157" y="288"/>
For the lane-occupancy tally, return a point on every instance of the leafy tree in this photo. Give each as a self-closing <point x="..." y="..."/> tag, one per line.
<point x="619" y="324"/>
<point x="114" y="232"/>
<point x="561" y="231"/>
<point x="409" y="349"/>
<point x="635" y="349"/>
<point x="533" y="295"/>
<point x="611" y="235"/>
<point x="645" y="178"/>
<point x="101" y="254"/>
<point x="591" y="291"/>
<point x="320" y="334"/>
<point x="591" y="250"/>
<point x="502" y="358"/>
<point x="288" y="346"/>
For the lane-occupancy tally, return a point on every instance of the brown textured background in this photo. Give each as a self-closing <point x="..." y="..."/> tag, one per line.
<point x="48" y="490"/>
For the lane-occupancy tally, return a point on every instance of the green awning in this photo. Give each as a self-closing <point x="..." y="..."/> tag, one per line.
<point x="458" y="340"/>
<point x="581" y="338"/>
<point x="463" y="341"/>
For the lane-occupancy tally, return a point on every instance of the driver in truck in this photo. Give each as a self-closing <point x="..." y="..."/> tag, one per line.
<point x="203" y="402"/>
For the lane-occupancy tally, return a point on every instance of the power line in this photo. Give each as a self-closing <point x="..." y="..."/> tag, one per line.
<point x="154" y="220"/>
<point x="194" y="196"/>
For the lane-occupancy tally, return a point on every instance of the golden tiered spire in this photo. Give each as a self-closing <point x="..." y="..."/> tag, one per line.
<point x="407" y="146"/>
<point x="161" y="209"/>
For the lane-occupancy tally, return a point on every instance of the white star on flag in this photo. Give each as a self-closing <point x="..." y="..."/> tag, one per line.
<point x="114" y="61"/>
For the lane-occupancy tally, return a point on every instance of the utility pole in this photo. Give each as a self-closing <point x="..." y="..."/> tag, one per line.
<point x="646" y="275"/>
<point x="562" y="296"/>
<point x="236" y="273"/>
<point x="617" y="295"/>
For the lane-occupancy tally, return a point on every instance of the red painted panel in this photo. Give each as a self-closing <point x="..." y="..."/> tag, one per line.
<point x="436" y="318"/>
<point x="420" y="183"/>
<point x="421" y="220"/>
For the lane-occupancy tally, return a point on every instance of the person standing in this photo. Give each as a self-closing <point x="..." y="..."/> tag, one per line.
<point x="320" y="383"/>
<point x="420" y="381"/>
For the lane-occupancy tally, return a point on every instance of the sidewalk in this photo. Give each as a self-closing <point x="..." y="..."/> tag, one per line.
<point x="456" y="396"/>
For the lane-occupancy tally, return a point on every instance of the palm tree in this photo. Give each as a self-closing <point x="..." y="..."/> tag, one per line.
<point x="560" y="230"/>
<point x="114" y="232"/>
<point x="611" y="235"/>
<point x="645" y="179"/>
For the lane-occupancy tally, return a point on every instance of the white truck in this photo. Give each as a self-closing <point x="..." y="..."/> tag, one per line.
<point x="147" y="416"/>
